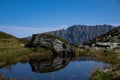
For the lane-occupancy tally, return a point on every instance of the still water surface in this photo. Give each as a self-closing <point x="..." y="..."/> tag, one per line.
<point x="56" y="69"/>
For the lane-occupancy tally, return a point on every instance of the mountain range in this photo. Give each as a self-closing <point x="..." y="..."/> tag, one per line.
<point x="75" y="34"/>
<point x="81" y="33"/>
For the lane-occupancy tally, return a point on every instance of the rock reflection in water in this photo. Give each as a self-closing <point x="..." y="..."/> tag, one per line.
<point x="53" y="64"/>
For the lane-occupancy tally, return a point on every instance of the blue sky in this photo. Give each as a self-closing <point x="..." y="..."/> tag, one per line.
<point x="25" y="17"/>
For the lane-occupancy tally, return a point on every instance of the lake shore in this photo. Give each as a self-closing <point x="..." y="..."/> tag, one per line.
<point x="21" y="54"/>
<point x="105" y="56"/>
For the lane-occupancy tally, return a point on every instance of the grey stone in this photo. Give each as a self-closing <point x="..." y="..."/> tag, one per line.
<point x="53" y="43"/>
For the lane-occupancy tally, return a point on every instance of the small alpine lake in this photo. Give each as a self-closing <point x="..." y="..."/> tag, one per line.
<point x="58" y="68"/>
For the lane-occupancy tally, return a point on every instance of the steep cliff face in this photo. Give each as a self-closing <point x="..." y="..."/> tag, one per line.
<point x="51" y="42"/>
<point x="81" y="33"/>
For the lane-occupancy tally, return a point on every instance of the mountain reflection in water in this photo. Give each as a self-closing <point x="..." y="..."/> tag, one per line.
<point x="53" y="64"/>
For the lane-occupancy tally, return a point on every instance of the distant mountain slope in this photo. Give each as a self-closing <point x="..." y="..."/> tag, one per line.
<point x="81" y="33"/>
<point x="111" y="36"/>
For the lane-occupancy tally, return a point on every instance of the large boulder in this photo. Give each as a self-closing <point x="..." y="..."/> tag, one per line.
<point x="54" y="43"/>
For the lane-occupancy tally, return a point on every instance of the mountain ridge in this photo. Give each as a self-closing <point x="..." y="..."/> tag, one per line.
<point x="81" y="33"/>
<point x="76" y="34"/>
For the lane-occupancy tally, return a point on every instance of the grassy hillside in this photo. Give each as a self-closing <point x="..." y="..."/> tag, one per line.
<point x="9" y="41"/>
<point x="12" y="50"/>
<point x="5" y="35"/>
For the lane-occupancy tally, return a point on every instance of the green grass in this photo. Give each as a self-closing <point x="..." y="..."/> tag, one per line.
<point x="12" y="55"/>
<point x="102" y="55"/>
<point x="98" y="75"/>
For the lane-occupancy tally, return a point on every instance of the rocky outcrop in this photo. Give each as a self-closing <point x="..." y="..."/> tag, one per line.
<point x="113" y="71"/>
<point x="112" y="36"/>
<point x="54" y="43"/>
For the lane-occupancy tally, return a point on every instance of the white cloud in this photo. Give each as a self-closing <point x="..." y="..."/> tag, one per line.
<point x="20" y="31"/>
<point x="116" y="24"/>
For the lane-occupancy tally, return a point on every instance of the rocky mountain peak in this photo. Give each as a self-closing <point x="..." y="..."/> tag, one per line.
<point x="81" y="33"/>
